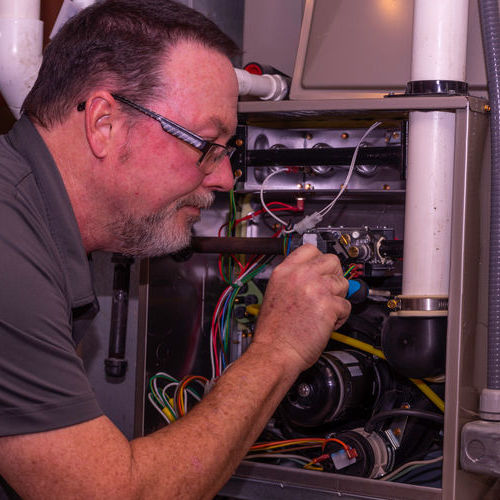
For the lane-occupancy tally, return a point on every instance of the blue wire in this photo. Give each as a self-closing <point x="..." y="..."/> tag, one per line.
<point x="289" y="245"/>
<point x="223" y="321"/>
<point x="222" y="332"/>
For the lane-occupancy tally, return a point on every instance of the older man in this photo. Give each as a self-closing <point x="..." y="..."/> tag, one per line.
<point x="122" y="142"/>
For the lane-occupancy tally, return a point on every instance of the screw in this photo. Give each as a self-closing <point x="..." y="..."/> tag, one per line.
<point x="344" y="136"/>
<point x="487" y="108"/>
<point x="345" y="239"/>
<point x="386" y="187"/>
<point x="353" y="252"/>
<point x="239" y="142"/>
<point x="308" y="136"/>
<point x="393" y="304"/>
<point x="304" y="390"/>
<point x="238" y="173"/>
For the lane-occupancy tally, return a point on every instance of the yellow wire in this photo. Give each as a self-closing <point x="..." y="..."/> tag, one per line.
<point x="289" y="443"/>
<point x="429" y="393"/>
<point x="168" y="414"/>
<point x="362" y="346"/>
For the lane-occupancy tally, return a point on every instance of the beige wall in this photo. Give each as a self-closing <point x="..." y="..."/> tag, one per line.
<point x="271" y="32"/>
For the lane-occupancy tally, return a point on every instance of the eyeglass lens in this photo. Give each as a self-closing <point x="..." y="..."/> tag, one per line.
<point x="214" y="157"/>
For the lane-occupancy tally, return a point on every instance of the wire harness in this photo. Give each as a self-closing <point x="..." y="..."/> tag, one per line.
<point x="312" y="220"/>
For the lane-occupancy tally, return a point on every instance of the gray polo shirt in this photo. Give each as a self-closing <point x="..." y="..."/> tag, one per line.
<point x="46" y="293"/>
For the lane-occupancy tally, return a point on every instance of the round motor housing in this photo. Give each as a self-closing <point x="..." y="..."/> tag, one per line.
<point x="340" y="385"/>
<point x="374" y="456"/>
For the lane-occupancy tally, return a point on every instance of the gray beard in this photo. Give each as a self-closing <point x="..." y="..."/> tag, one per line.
<point x="159" y="233"/>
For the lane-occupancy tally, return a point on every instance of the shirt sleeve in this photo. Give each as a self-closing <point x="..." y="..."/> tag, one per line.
<point x="43" y="385"/>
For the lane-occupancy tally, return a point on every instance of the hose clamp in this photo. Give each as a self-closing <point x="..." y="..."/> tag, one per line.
<point x="421" y="304"/>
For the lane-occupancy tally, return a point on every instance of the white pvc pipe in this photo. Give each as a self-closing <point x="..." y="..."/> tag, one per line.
<point x="439" y="39"/>
<point x="20" y="9"/>
<point x="20" y="49"/>
<point x="427" y="238"/>
<point x="82" y="4"/>
<point x="266" y="87"/>
<point x="439" y="53"/>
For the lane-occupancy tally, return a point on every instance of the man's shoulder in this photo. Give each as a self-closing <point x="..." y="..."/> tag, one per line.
<point x="14" y="168"/>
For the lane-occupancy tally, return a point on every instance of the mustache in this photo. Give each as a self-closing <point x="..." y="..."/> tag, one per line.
<point x="200" y="200"/>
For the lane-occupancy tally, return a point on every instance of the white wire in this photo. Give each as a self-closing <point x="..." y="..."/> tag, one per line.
<point x="326" y="209"/>
<point x="420" y="463"/>
<point x="264" y="206"/>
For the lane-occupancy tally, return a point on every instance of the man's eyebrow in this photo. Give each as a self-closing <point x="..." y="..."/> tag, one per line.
<point x="220" y="126"/>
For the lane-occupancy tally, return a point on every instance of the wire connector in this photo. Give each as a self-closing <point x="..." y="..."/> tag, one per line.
<point x="308" y="222"/>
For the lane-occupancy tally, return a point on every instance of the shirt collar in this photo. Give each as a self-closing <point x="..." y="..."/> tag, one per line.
<point x="59" y="212"/>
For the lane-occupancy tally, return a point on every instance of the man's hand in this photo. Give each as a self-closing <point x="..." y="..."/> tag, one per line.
<point x="304" y="302"/>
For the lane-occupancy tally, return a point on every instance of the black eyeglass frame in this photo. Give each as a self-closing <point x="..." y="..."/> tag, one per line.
<point x="178" y="131"/>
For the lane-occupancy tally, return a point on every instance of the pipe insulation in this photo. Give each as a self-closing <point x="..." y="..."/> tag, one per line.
<point x="439" y="53"/>
<point x="21" y="33"/>
<point x="490" y="27"/>
<point x="266" y="87"/>
<point x="439" y="40"/>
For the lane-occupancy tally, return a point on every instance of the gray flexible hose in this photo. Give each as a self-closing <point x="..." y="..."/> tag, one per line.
<point x="490" y="28"/>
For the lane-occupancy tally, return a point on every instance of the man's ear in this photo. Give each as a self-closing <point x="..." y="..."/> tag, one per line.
<point x="102" y="122"/>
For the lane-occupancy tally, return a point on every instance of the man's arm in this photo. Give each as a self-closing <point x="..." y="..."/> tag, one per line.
<point x="193" y="457"/>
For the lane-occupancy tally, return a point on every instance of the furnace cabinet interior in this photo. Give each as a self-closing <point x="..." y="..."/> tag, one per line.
<point x="178" y="295"/>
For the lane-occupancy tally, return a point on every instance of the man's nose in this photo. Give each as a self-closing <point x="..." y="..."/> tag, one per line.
<point x="222" y="178"/>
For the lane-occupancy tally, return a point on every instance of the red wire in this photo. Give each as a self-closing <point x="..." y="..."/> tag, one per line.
<point x="215" y="329"/>
<point x="283" y="207"/>
<point x="237" y="261"/>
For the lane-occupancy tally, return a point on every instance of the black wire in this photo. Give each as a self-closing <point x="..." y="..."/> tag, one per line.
<point x="384" y="415"/>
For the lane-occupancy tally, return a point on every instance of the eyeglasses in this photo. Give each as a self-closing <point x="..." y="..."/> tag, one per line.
<point x="212" y="154"/>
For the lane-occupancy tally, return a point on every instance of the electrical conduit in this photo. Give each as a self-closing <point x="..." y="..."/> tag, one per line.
<point x="490" y="23"/>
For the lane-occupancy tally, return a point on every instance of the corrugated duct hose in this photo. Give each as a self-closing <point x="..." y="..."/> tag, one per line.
<point x="490" y="27"/>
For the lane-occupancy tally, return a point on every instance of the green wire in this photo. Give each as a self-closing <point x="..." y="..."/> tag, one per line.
<point x="349" y="270"/>
<point x="229" y="317"/>
<point x="285" y="240"/>
<point x="230" y="227"/>
<point x="159" y="398"/>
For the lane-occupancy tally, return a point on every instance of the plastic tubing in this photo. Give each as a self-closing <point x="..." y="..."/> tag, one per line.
<point x="490" y="24"/>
